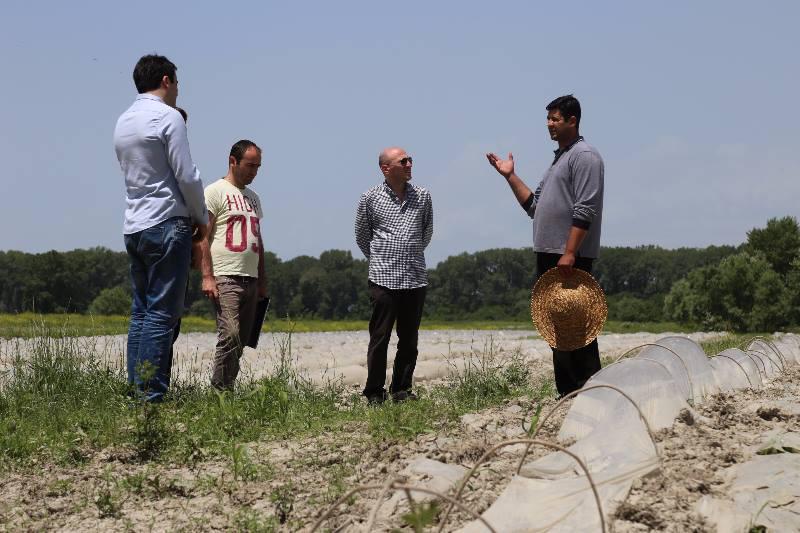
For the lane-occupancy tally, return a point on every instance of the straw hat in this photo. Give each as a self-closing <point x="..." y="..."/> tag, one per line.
<point x="569" y="312"/>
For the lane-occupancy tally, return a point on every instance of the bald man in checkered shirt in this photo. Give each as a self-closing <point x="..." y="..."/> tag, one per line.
<point x="394" y="225"/>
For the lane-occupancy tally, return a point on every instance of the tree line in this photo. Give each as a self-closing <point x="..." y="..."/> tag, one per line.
<point x="747" y="287"/>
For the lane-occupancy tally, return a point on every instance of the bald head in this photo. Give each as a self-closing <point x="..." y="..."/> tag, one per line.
<point x="389" y="154"/>
<point x="395" y="165"/>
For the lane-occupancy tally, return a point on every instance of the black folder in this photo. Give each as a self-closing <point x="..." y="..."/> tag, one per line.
<point x="261" y="314"/>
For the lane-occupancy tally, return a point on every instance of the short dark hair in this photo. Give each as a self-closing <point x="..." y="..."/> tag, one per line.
<point x="183" y="113"/>
<point x="568" y="106"/>
<point x="150" y="70"/>
<point x="240" y="147"/>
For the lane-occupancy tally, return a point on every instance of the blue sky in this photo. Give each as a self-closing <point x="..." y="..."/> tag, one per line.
<point x="692" y="105"/>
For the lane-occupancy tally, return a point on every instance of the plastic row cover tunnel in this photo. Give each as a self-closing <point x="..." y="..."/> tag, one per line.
<point x="610" y="436"/>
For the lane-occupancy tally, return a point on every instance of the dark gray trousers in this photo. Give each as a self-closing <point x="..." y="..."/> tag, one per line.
<point x="388" y="305"/>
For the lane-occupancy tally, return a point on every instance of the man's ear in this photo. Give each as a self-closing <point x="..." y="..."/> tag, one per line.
<point x="573" y="121"/>
<point x="165" y="82"/>
<point x="231" y="160"/>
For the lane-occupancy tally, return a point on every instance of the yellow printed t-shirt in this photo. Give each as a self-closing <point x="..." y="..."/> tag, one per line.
<point x="234" y="242"/>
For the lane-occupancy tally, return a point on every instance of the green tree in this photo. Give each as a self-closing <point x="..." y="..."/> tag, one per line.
<point x="742" y="293"/>
<point x="792" y="284"/>
<point x="779" y="241"/>
<point x="113" y="301"/>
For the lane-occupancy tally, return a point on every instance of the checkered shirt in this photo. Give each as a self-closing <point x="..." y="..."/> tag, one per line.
<point x="393" y="235"/>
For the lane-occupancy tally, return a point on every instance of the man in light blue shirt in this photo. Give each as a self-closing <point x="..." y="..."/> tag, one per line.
<point x="164" y="203"/>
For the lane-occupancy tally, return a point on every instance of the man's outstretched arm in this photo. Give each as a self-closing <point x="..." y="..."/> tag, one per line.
<point x="505" y="167"/>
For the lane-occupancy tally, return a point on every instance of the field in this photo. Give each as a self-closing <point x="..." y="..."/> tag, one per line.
<point x="29" y="324"/>
<point x="77" y="453"/>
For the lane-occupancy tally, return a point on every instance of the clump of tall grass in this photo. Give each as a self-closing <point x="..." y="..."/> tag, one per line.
<point x="57" y="394"/>
<point x="731" y="340"/>
<point x="62" y="399"/>
<point x="486" y="375"/>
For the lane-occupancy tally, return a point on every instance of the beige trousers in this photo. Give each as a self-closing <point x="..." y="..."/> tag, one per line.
<point x="236" y="309"/>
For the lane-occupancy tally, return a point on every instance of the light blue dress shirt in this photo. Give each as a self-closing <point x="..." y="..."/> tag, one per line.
<point x="161" y="180"/>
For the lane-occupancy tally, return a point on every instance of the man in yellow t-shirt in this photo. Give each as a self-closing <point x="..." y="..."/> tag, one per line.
<point x="232" y="259"/>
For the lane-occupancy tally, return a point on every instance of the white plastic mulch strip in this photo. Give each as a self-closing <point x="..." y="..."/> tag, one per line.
<point x="553" y="494"/>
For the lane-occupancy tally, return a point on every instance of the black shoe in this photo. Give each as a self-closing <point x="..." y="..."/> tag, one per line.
<point x="376" y="399"/>
<point x="404" y="396"/>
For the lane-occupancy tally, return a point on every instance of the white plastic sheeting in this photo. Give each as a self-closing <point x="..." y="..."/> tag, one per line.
<point x="769" y="367"/>
<point x="764" y="490"/>
<point x="789" y="345"/>
<point x="735" y="370"/>
<point x="696" y="361"/>
<point x="553" y="494"/>
<point x="769" y="350"/>
<point x="658" y="397"/>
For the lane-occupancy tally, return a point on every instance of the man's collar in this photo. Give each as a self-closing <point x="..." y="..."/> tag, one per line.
<point x="148" y="96"/>
<point x="559" y="152"/>
<point x="388" y="187"/>
<point x="578" y="139"/>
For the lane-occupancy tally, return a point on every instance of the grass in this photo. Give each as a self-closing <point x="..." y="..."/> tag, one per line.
<point x="614" y="326"/>
<point x="27" y="325"/>
<point x="62" y="402"/>
<point x="714" y="346"/>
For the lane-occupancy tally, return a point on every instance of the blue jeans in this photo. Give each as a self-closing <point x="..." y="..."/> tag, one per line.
<point x="160" y="258"/>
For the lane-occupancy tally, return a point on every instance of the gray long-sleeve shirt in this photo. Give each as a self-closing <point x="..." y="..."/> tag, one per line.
<point x="570" y="194"/>
<point x="161" y="180"/>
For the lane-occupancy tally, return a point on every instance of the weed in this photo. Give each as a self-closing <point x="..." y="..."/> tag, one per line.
<point x="283" y="500"/>
<point x="242" y="466"/>
<point x="108" y="504"/>
<point x="421" y="516"/>
<point x="487" y="375"/>
<point x="150" y="434"/>
<point x="250" y="520"/>
<point x="134" y="483"/>
<point x="534" y="420"/>
<point x="337" y="484"/>
<point x="108" y="500"/>
<point x="59" y="487"/>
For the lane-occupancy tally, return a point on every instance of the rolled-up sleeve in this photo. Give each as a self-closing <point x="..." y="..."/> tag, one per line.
<point x="529" y="205"/>
<point x="180" y="159"/>
<point x="587" y="173"/>
<point x="363" y="227"/>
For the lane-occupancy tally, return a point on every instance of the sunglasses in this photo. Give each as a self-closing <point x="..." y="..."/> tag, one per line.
<point x="406" y="160"/>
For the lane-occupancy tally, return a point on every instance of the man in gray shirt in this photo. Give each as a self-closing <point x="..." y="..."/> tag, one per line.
<point x="566" y="209"/>
<point x="164" y="196"/>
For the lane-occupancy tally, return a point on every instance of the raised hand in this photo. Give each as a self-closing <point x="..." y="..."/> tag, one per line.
<point x="504" y="166"/>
